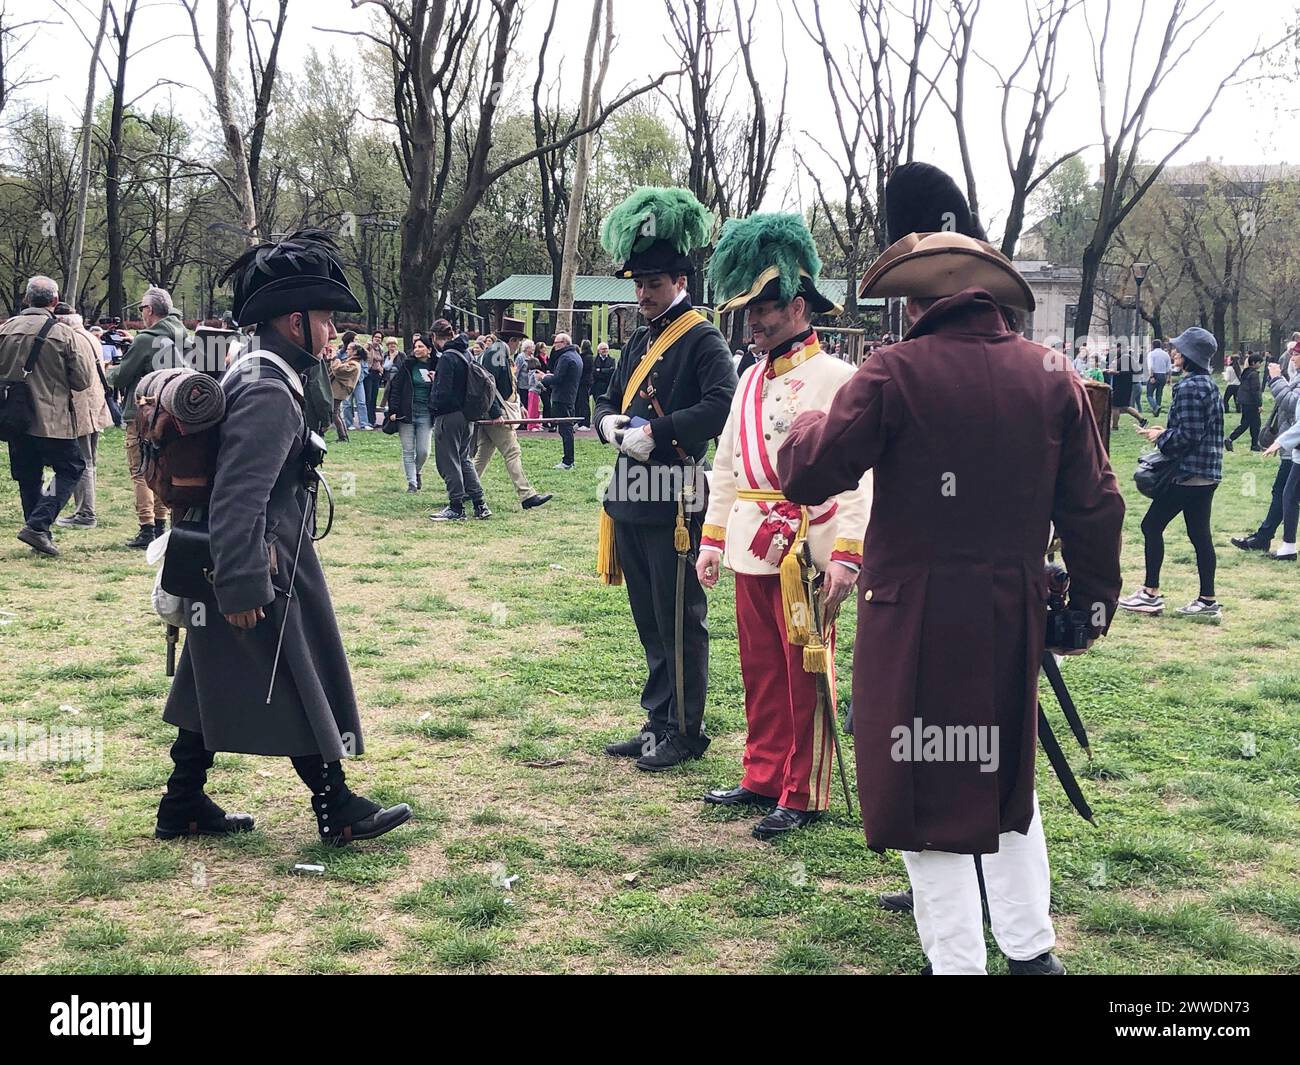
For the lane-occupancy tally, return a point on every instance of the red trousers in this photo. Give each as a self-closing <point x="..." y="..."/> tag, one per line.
<point x="789" y="750"/>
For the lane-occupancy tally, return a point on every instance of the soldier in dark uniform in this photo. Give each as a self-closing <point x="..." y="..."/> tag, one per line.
<point x="277" y="395"/>
<point x="669" y="396"/>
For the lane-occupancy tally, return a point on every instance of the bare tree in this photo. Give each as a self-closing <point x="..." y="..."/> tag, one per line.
<point x="16" y="36"/>
<point x="437" y="73"/>
<point x="875" y="120"/>
<point x="1125" y="179"/>
<point x="70" y="285"/>
<point x="591" y="88"/>
<point x="240" y="184"/>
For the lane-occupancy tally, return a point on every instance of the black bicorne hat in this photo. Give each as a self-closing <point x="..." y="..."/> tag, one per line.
<point x="302" y="272"/>
<point x="920" y="198"/>
<point x="659" y="258"/>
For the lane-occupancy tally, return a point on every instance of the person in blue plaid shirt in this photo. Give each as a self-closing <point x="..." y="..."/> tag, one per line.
<point x="1195" y="439"/>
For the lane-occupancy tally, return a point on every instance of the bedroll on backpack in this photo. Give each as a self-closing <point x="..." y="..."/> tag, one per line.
<point x="176" y="415"/>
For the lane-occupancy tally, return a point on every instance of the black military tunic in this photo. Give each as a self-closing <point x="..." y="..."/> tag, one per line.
<point x="693" y="384"/>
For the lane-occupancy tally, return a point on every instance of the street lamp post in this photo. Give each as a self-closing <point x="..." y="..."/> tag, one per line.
<point x="1139" y="275"/>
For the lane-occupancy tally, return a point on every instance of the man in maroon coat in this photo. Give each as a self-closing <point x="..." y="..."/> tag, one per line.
<point x="980" y="442"/>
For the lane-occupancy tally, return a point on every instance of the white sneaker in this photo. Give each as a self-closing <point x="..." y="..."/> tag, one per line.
<point x="1141" y="603"/>
<point x="1197" y="610"/>
<point x="562" y="466"/>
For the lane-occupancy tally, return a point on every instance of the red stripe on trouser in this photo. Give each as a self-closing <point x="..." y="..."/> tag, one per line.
<point x="789" y="752"/>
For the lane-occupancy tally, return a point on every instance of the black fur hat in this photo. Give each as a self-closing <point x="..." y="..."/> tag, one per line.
<point x="920" y="198"/>
<point x="302" y="272"/>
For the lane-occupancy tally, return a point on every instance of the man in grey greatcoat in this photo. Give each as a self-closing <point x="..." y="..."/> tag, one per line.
<point x="277" y="398"/>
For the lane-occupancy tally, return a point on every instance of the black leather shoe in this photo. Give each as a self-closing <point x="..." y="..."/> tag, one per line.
<point x="1047" y="964"/>
<point x="369" y="827"/>
<point x="159" y="527"/>
<point x="642" y="743"/>
<point x="738" y="797"/>
<point x="535" y="500"/>
<point x="669" y="751"/>
<point x="897" y="901"/>
<point x="1251" y="543"/>
<point x="1227" y="444"/>
<point x="38" y="540"/>
<point x="142" y="539"/>
<point x="783" y="820"/>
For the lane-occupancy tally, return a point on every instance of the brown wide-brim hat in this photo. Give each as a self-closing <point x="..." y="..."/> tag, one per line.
<point x="511" y="327"/>
<point x="935" y="265"/>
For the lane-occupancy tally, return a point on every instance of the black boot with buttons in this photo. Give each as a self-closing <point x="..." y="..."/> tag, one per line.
<point x="341" y="815"/>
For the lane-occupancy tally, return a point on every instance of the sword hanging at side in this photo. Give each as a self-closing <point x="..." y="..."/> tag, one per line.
<point x="825" y="697"/>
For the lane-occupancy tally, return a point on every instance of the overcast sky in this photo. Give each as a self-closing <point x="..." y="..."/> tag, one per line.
<point x="1251" y="123"/>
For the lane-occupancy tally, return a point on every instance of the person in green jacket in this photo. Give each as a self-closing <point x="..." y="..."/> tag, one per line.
<point x="160" y="345"/>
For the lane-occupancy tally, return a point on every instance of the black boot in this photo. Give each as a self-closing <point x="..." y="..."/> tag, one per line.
<point x="185" y="810"/>
<point x="143" y="538"/>
<point x="159" y="527"/>
<point x="341" y="815"/>
<point x="1253" y="542"/>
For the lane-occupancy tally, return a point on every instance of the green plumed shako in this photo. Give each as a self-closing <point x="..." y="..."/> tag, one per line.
<point x="673" y="216"/>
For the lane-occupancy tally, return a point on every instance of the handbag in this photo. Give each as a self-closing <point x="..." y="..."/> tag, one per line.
<point x="1268" y="435"/>
<point x="1155" y="474"/>
<point x="391" y="422"/>
<point x="17" y="408"/>
<point x="187" y="565"/>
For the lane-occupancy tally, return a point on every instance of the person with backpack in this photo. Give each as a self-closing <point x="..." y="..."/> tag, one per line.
<point x="267" y="624"/>
<point x="462" y="392"/>
<point x="42" y="370"/>
<point x="161" y="345"/>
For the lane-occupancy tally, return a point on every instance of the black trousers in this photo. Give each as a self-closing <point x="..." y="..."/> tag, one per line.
<point x="1156" y="392"/>
<point x="582" y="407"/>
<point x="1276" y="510"/>
<point x="649" y="563"/>
<point x="563" y="410"/>
<point x="1230" y="393"/>
<point x="1249" y="420"/>
<point x="1194" y="502"/>
<point x="28" y="457"/>
<point x="371" y="386"/>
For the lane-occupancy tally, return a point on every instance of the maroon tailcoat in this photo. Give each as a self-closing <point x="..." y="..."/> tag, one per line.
<point x="979" y="441"/>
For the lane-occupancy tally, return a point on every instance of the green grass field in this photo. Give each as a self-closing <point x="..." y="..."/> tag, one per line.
<point x="482" y="648"/>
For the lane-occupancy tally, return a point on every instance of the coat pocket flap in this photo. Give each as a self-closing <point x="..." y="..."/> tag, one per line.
<point x="878" y="589"/>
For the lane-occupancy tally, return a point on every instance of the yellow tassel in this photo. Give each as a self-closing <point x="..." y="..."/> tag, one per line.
<point x="681" y="537"/>
<point x="607" y="567"/>
<point x="794" y="596"/>
<point x="814" y="656"/>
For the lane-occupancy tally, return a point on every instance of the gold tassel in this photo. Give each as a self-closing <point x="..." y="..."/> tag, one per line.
<point x="794" y="596"/>
<point x="607" y="567"/>
<point x="814" y="656"/>
<point x="681" y="535"/>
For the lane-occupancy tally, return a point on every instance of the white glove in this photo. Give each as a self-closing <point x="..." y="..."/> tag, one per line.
<point x="610" y="424"/>
<point x="637" y="443"/>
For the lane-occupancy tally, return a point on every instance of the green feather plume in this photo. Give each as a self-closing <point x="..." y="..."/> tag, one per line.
<point x="679" y="218"/>
<point x="748" y="246"/>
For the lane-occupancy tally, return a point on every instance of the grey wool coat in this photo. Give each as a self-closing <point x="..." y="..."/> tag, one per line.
<point x="254" y="518"/>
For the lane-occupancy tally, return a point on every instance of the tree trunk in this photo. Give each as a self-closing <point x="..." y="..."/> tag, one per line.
<point x="113" y="173"/>
<point x="231" y="135"/>
<point x="590" y="101"/>
<point x="83" y="191"/>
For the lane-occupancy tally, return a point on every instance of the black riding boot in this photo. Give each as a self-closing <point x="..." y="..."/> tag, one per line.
<point x="341" y="815"/>
<point x="185" y="810"/>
